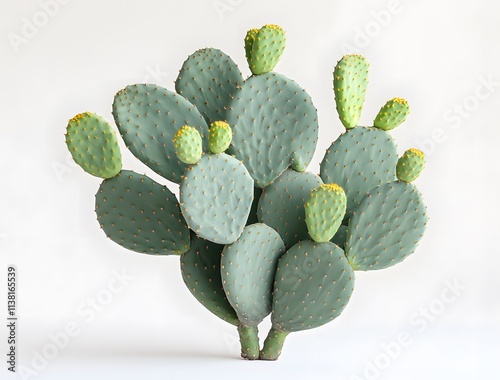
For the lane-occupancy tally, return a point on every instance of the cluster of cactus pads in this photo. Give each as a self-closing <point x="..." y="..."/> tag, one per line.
<point x="256" y="233"/>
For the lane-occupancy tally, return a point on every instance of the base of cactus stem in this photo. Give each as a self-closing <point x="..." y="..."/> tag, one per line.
<point x="249" y="339"/>
<point x="273" y="344"/>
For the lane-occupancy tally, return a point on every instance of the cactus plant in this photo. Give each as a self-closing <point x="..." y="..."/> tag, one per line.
<point x="255" y="231"/>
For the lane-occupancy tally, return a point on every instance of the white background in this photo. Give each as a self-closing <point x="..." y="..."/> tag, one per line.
<point x="436" y="54"/>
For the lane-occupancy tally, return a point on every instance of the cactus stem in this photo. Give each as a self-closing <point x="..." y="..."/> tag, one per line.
<point x="249" y="339"/>
<point x="273" y="344"/>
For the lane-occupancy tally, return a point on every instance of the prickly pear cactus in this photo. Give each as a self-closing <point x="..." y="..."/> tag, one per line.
<point x="256" y="232"/>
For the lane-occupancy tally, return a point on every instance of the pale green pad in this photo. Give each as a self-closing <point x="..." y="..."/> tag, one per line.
<point x="188" y="145"/>
<point x="248" y="266"/>
<point x="410" y="165"/>
<point x="281" y="205"/>
<point x="264" y="48"/>
<point x="325" y="208"/>
<point x="392" y="114"/>
<point x="220" y="135"/>
<point x="350" y="80"/>
<point x="208" y="79"/>
<point x="359" y="160"/>
<point x="93" y="145"/>
<point x="386" y="227"/>
<point x="274" y="123"/>
<point x="216" y="195"/>
<point x="148" y="116"/>
<point x="142" y="215"/>
<point x="313" y="284"/>
<point x="249" y="40"/>
<point x="200" y="267"/>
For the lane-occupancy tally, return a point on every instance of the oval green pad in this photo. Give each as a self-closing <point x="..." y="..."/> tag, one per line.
<point x="274" y="123"/>
<point x="359" y="160"/>
<point x="208" y="79"/>
<point x="410" y="165"/>
<point x="281" y="205"/>
<point x="216" y="195"/>
<point x="188" y="145"/>
<point x="264" y="48"/>
<point x="142" y="215"/>
<point x="386" y="227"/>
<point x="392" y="114"/>
<point x="325" y="210"/>
<point x="200" y="267"/>
<point x="220" y="135"/>
<point x="93" y="145"/>
<point x="313" y="284"/>
<point x="248" y="266"/>
<point x="148" y="116"/>
<point x="350" y="80"/>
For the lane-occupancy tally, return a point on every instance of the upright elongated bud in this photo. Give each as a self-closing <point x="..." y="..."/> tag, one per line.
<point x="264" y="47"/>
<point x="350" y="79"/>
